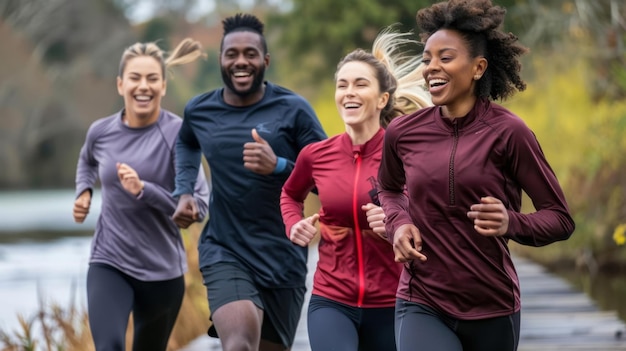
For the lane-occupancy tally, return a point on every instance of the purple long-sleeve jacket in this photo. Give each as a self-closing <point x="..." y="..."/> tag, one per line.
<point x="136" y="234"/>
<point x="447" y="166"/>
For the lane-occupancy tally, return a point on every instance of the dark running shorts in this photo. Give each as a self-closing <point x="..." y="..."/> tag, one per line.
<point x="228" y="282"/>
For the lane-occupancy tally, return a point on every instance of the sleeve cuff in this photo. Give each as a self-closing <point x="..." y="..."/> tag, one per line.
<point x="281" y="164"/>
<point x="143" y="187"/>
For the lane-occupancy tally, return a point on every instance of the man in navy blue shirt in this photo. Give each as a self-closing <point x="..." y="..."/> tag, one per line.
<point x="250" y="132"/>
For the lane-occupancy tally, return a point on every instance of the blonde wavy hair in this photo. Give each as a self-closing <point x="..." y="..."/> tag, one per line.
<point x="399" y="72"/>
<point x="188" y="50"/>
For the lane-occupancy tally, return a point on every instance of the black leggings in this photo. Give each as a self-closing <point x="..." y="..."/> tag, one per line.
<point x="334" y="326"/>
<point x="419" y="327"/>
<point x="112" y="295"/>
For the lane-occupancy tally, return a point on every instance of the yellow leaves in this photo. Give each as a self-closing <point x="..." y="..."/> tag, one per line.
<point x="619" y="235"/>
<point x="557" y="103"/>
<point x="326" y="110"/>
<point x="575" y="131"/>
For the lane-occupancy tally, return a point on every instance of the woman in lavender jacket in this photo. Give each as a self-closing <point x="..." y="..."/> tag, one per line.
<point x="137" y="258"/>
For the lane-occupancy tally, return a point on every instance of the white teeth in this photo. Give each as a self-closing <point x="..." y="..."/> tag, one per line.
<point x="241" y="74"/>
<point x="435" y="82"/>
<point x="143" y="97"/>
<point x="351" y="105"/>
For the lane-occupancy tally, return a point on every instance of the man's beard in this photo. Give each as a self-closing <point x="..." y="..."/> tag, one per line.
<point x="259" y="77"/>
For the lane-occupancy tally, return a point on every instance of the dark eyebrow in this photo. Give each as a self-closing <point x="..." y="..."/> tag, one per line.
<point x="149" y="74"/>
<point x="139" y="74"/>
<point x="358" y="79"/>
<point x="245" y="49"/>
<point x="441" y="51"/>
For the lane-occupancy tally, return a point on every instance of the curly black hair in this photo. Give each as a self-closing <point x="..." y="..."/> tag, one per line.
<point x="244" y="23"/>
<point x="479" y="23"/>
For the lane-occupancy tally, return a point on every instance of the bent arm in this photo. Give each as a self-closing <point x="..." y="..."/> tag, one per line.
<point x="87" y="166"/>
<point x="188" y="160"/>
<point x="295" y="190"/>
<point x="201" y="194"/>
<point x="552" y="220"/>
<point x="391" y="180"/>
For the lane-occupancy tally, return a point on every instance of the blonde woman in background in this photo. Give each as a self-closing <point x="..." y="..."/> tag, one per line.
<point x="137" y="260"/>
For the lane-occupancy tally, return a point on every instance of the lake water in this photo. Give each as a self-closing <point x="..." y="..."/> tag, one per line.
<point x="43" y="210"/>
<point x="43" y="253"/>
<point x="35" y="273"/>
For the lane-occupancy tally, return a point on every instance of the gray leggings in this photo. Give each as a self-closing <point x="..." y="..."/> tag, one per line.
<point x="112" y="295"/>
<point x="419" y="327"/>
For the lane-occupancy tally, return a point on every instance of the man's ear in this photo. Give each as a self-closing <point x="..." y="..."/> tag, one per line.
<point x="267" y="60"/>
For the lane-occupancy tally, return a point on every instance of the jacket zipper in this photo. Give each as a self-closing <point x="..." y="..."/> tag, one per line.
<point x="357" y="230"/>
<point x="455" y="142"/>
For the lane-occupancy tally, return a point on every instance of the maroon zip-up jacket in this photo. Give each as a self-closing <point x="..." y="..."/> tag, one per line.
<point x="356" y="266"/>
<point x="447" y="166"/>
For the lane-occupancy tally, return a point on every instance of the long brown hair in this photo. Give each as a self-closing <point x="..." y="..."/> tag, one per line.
<point x="398" y="73"/>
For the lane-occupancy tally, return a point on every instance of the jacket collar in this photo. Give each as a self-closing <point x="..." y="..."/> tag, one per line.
<point x="371" y="146"/>
<point x="461" y="123"/>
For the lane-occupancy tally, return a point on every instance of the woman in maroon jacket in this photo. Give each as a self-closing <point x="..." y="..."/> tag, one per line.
<point x="464" y="163"/>
<point x="352" y="305"/>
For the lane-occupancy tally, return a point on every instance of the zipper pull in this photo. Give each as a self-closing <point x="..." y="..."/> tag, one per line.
<point x="355" y="155"/>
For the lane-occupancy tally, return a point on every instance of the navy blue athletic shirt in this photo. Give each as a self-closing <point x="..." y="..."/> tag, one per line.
<point x="245" y="223"/>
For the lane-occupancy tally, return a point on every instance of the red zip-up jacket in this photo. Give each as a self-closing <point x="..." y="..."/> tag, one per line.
<point x="448" y="165"/>
<point x="356" y="267"/>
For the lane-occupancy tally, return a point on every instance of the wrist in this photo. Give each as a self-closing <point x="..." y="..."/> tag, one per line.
<point x="140" y="193"/>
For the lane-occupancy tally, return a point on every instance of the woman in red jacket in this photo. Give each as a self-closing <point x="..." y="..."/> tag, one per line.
<point x="352" y="304"/>
<point x="464" y="164"/>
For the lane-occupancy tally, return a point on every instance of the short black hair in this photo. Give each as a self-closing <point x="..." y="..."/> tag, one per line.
<point x="244" y="23"/>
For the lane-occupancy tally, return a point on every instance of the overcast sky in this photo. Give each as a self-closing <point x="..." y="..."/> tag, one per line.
<point x="145" y="9"/>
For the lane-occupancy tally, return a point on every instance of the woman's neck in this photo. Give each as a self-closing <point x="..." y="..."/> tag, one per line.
<point x="362" y="133"/>
<point x="460" y="109"/>
<point x="135" y="121"/>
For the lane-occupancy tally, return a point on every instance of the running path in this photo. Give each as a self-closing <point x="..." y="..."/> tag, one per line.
<point x="557" y="317"/>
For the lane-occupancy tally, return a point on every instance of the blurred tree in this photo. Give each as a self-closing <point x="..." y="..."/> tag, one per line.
<point x="591" y="28"/>
<point x="208" y="76"/>
<point x="58" y="75"/>
<point x="158" y="29"/>
<point x="63" y="30"/>
<point x="317" y="34"/>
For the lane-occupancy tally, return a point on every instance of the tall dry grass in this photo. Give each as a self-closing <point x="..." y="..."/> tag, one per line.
<point x="66" y="328"/>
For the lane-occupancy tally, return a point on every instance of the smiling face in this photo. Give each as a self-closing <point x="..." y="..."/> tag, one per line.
<point x="450" y="72"/>
<point x="142" y="86"/>
<point x="243" y="63"/>
<point x="357" y="94"/>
